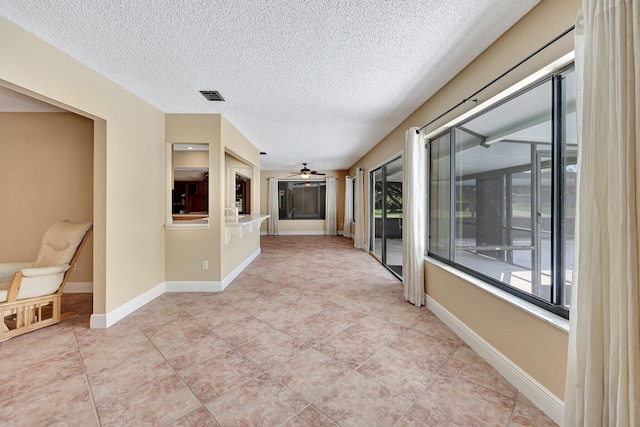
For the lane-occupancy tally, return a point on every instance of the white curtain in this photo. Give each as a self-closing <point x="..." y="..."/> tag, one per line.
<point x="358" y="240"/>
<point x="274" y="207"/>
<point x="331" y="228"/>
<point x="348" y="214"/>
<point x="413" y="217"/>
<point x="603" y="378"/>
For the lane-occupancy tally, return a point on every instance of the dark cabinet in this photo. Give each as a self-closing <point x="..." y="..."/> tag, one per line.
<point x="243" y="188"/>
<point x="190" y="197"/>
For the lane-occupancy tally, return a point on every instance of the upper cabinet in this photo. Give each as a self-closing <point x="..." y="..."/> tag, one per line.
<point x="190" y="197"/>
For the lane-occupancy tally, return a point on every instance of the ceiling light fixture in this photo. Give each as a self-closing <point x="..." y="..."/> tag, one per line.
<point x="305" y="175"/>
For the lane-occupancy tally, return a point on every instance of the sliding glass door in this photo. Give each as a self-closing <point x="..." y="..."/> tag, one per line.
<point x="386" y="215"/>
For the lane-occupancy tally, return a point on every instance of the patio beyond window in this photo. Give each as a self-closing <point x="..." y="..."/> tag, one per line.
<point x="502" y="193"/>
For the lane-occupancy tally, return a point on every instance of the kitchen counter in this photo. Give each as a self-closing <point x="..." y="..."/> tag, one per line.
<point x="241" y="224"/>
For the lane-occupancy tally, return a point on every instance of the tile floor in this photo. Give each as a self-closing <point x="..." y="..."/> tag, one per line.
<point x="312" y="333"/>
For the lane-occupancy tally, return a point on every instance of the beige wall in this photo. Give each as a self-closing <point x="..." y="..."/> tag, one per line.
<point x="538" y="348"/>
<point x="187" y="248"/>
<point x="191" y="159"/>
<point x="128" y="157"/>
<point x="241" y="152"/>
<point x="302" y="226"/>
<point x="233" y="167"/>
<point x="46" y="161"/>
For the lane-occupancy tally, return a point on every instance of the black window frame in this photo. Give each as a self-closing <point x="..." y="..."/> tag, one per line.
<point x="284" y="204"/>
<point x="557" y="163"/>
<point x="353" y="199"/>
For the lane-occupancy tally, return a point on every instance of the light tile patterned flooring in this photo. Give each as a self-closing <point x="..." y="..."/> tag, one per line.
<point x="312" y="333"/>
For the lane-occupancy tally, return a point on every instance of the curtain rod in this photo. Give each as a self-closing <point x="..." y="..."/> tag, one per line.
<point x="471" y="97"/>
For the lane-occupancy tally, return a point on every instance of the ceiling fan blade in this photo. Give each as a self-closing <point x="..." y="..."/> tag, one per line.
<point x="317" y="173"/>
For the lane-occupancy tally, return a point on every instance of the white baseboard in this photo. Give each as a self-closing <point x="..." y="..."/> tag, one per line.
<point x="239" y="269"/>
<point x="264" y="233"/>
<point x="303" y="233"/>
<point x="193" y="286"/>
<point x="102" y="321"/>
<point x="340" y="233"/>
<point x="549" y="403"/>
<point x="98" y="321"/>
<point x="78" y="288"/>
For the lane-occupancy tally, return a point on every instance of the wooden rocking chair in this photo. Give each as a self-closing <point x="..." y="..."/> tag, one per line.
<point x="31" y="292"/>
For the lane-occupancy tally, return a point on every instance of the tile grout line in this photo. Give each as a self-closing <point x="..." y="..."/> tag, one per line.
<point x="383" y="299"/>
<point x="86" y="378"/>
<point x="175" y="371"/>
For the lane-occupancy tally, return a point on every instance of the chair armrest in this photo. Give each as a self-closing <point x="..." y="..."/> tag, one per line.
<point x="44" y="271"/>
<point x="8" y="269"/>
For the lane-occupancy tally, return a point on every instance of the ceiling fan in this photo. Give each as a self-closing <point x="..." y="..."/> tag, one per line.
<point x="305" y="172"/>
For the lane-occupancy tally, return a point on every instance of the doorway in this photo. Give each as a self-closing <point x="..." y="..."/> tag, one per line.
<point x="386" y="212"/>
<point x="243" y="194"/>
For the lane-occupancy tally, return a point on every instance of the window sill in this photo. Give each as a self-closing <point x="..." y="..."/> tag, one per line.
<point x="542" y="314"/>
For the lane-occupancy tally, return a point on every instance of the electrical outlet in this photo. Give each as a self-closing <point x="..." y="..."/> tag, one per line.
<point x="205" y="265"/>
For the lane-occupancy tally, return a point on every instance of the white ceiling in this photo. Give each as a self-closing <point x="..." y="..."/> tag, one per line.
<point x="306" y="81"/>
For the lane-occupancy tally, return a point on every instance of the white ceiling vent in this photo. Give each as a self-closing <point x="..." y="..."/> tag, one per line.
<point x="212" y="95"/>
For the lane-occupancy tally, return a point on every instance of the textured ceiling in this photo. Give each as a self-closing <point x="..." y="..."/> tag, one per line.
<point x="306" y="81"/>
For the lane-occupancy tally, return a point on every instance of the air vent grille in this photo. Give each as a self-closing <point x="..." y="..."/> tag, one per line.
<point x="212" y="95"/>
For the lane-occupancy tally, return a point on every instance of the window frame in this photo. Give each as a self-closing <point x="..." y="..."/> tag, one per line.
<point x="321" y="214"/>
<point x="558" y="164"/>
<point x="170" y="222"/>
<point x="353" y="198"/>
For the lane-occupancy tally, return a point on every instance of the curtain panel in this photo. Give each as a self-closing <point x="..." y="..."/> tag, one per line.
<point x="274" y="207"/>
<point x="413" y="217"/>
<point x="358" y="240"/>
<point x="331" y="215"/>
<point x="348" y="214"/>
<point x="603" y="368"/>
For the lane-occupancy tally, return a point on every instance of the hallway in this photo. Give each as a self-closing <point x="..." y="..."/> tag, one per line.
<point x="312" y="333"/>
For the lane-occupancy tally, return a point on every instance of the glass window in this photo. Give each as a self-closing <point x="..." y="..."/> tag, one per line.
<point x="569" y="181"/>
<point x="513" y="184"/>
<point x="353" y="199"/>
<point x="386" y="221"/>
<point x="440" y="196"/>
<point x="302" y="199"/>
<point x="376" y="223"/>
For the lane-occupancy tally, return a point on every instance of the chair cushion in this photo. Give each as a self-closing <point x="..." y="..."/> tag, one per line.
<point x="4" y="291"/>
<point x="60" y="242"/>
<point x="8" y="269"/>
<point x="31" y="287"/>
<point x="36" y="285"/>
